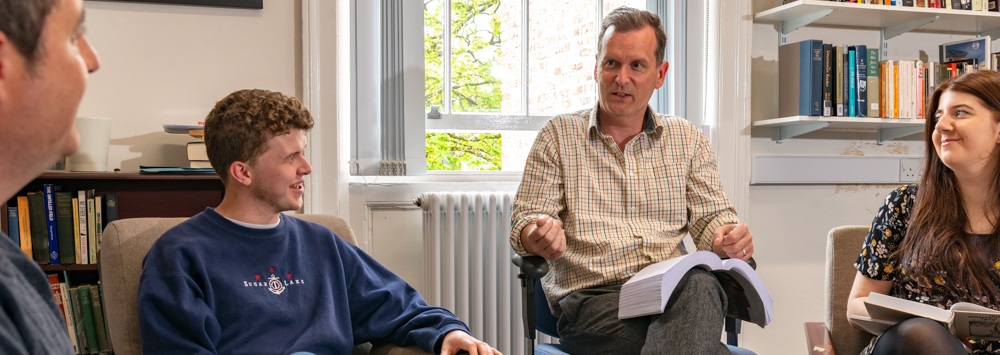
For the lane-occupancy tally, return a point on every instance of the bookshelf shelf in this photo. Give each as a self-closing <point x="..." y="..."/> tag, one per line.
<point x="887" y="128"/>
<point x="792" y="16"/>
<point x="69" y="267"/>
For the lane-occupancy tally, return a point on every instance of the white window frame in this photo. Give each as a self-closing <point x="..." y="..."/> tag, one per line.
<point x="688" y="91"/>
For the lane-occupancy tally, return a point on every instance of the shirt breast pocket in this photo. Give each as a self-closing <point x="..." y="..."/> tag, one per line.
<point x="665" y="190"/>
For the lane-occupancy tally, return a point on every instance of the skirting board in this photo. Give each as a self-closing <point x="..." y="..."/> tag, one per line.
<point x="832" y="169"/>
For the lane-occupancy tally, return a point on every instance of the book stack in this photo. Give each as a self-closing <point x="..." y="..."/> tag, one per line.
<point x="61" y="227"/>
<point x="82" y="309"/>
<point x="197" y="155"/>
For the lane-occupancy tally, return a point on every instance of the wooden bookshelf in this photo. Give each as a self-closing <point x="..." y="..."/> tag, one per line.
<point x="139" y="195"/>
<point x="68" y="267"/>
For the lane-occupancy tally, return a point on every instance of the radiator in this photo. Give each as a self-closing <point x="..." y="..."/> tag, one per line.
<point x="467" y="264"/>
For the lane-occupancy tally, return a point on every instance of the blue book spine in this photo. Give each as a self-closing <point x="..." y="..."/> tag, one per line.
<point x="852" y="79"/>
<point x="861" y="53"/>
<point x="816" y="72"/>
<point x="50" y="222"/>
<point x="13" y="227"/>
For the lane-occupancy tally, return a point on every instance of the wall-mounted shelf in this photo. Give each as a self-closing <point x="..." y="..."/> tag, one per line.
<point x="892" y="20"/>
<point x="800" y="13"/>
<point x="887" y="128"/>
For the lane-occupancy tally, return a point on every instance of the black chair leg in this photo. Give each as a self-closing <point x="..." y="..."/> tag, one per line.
<point x="732" y="331"/>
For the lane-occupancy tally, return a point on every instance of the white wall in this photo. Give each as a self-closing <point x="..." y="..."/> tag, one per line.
<point x="169" y="64"/>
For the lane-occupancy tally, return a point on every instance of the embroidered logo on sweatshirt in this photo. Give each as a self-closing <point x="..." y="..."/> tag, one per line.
<point x="273" y="283"/>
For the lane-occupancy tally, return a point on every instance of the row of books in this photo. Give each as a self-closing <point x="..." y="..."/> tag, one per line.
<point x="61" y="227"/>
<point x="973" y="5"/>
<point x="82" y="309"/>
<point x="823" y="79"/>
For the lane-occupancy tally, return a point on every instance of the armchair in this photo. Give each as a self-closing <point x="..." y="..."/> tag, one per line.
<point x="843" y="244"/>
<point x="536" y="315"/>
<point x="125" y="243"/>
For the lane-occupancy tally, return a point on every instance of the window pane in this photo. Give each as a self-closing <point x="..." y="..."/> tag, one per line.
<point x="464" y="151"/>
<point x="433" y="50"/>
<point x="614" y="4"/>
<point x="561" y="55"/>
<point x="480" y="37"/>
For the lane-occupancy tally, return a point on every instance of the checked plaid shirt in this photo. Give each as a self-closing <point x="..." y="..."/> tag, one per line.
<point x="621" y="210"/>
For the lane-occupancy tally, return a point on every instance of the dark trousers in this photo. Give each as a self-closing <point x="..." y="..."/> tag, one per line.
<point x="691" y="323"/>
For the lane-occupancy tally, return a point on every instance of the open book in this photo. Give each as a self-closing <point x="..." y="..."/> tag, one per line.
<point x="965" y="320"/>
<point x="649" y="290"/>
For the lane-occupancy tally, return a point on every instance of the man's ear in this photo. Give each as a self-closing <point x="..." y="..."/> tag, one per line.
<point x="7" y="56"/>
<point x="239" y="172"/>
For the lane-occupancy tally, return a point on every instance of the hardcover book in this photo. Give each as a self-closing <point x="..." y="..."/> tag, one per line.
<point x="91" y="229"/>
<point x="873" y="83"/>
<point x="862" y="77"/>
<point x="102" y="335"/>
<point x="852" y="82"/>
<point x="84" y="225"/>
<point x="24" y="224"/>
<point x="800" y="78"/>
<point x="70" y="323"/>
<point x="75" y="203"/>
<point x="648" y="292"/>
<point x="13" y="230"/>
<point x="87" y="309"/>
<point x="110" y="211"/>
<point x="81" y="329"/>
<point x="48" y="192"/>
<point x="39" y="234"/>
<point x="828" y="73"/>
<point x="965" y="320"/>
<point x="64" y="227"/>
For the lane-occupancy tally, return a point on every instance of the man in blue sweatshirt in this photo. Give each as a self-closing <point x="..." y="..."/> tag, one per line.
<point x="243" y="278"/>
<point x="44" y="63"/>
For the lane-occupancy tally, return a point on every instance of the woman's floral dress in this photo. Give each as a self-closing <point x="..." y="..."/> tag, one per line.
<point x="886" y="234"/>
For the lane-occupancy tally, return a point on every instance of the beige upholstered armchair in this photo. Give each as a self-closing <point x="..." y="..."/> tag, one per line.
<point x="843" y="244"/>
<point x="125" y="243"/>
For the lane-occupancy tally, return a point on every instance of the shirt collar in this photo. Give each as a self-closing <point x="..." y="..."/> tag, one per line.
<point x="649" y="124"/>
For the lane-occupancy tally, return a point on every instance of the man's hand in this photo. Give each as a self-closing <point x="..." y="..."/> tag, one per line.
<point x="456" y="341"/>
<point x="544" y="238"/>
<point x="733" y="241"/>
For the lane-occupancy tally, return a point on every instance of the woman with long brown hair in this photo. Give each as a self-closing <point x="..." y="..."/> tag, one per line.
<point x="937" y="242"/>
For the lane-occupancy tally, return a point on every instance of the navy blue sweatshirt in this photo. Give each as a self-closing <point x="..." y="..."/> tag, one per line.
<point x="210" y="286"/>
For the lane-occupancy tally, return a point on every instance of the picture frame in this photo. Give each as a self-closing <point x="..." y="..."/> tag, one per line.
<point x="242" y="4"/>
<point x="976" y="50"/>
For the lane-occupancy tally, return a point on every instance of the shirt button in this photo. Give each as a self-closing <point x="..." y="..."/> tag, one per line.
<point x="633" y="209"/>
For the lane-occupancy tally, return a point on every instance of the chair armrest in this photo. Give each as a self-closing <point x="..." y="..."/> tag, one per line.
<point x="818" y="339"/>
<point x="531" y="265"/>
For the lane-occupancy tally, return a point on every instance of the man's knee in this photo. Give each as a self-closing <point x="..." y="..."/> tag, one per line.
<point x="698" y="284"/>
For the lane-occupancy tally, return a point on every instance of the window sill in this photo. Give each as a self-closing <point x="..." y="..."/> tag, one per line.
<point x="442" y="177"/>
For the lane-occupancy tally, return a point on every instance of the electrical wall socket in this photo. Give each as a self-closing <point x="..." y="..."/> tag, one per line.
<point x="910" y="169"/>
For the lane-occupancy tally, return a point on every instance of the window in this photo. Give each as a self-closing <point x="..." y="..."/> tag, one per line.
<point x="503" y="73"/>
<point x="494" y="72"/>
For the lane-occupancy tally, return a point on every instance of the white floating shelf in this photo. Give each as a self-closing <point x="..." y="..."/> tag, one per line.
<point x="887" y="128"/>
<point x="800" y="13"/>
